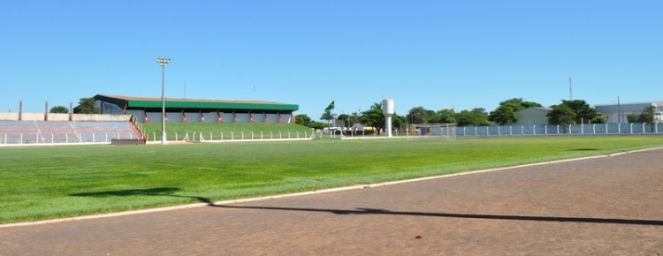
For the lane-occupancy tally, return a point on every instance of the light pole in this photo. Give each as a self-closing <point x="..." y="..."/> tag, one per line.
<point x="163" y="62"/>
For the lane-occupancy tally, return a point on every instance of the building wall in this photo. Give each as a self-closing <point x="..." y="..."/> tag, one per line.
<point x="532" y="116"/>
<point x="613" y="111"/>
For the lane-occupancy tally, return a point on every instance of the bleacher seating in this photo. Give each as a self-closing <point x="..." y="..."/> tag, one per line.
<point x="48" y="132"/>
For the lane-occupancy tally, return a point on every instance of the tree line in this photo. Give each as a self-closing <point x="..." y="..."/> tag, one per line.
<point x="566" y="113"/>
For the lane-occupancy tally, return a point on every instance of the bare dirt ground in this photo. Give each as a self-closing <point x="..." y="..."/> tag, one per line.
<point x="603" y="206"/>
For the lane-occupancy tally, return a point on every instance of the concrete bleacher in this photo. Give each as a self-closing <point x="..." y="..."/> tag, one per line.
<point x="58" y="132"/>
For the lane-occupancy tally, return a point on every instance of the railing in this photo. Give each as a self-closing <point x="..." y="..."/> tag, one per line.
<point x="17" y="139"/>
<point x="232" y="136"/>
<point x="561" y="130"/>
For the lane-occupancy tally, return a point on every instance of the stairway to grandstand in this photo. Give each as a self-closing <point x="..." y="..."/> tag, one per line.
<point x="57" y="132"/>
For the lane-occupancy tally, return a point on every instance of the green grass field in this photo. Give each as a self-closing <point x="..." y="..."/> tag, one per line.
<point x="49" y="182"/>
<point x="228" y="130"/>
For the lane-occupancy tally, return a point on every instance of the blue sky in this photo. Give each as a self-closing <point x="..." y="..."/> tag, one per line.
<point x="435" y="54"/>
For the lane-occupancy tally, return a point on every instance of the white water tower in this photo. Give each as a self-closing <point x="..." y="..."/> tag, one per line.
<point x="388" y="111"/>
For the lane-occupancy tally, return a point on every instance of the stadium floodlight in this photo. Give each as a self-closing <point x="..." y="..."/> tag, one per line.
<point x="163" y="62"/>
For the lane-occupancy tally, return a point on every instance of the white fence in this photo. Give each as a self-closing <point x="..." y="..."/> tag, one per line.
<point x="561" y="130"/>
<point x="22" y="139"/>
<point x="64" y="132"/>
<point x="234" y="136"/>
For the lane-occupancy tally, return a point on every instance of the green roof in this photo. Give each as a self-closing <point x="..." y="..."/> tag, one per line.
<point x="198" y="104"/>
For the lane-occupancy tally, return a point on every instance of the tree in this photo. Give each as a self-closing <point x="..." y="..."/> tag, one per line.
<point x="579" y="110"/>
<point x="303" y="119"/>
<point x="87" y="106"/>
<point x="647" y="115"/>
<point x="327" y="116"/>
<point x="59" y="109"/>
<point x="418" y="115"/>
<point x="398" y="121"/>
<point x="447" y="116"/>
<point x="373" y="117"/>
<point x="561" y="114"/>
<point x="505" y="114"/>
<point x="474" y="117"/>
<point x="584" y="113"/>
<point x="344" y="119"/>
<point x="600" y="119"/>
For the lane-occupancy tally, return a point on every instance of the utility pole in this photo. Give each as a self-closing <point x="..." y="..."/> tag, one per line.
<point x="163" y="62"/>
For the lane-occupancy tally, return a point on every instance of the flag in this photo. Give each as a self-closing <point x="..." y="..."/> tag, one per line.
<point x="330" y="107"/>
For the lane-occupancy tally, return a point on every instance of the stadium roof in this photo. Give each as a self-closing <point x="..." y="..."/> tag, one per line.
<point x="197" y="104"/>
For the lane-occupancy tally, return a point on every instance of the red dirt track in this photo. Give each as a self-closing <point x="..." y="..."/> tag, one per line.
<point x="601" y="206"/>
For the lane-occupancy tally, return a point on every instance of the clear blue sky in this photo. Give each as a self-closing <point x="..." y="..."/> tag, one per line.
<point x="435" y="54"/>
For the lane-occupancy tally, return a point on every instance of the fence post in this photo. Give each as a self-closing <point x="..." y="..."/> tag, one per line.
<point x="289" y="134"/>
<point x="66" y="138"/>
<point x="52" y="138"/>
<point x="210" y="136"/>
<point x="631" y="128"/>
<point x="464" y="131"/>
<point x="643" y="128"/>
<point x="582" y="129"/>
<point x="21" y="138"/>
<point x="271" y="135"/>
<point x="606" y="128"/>
<point x="280" y="135"/>
<point x="94" y="138"/>
<point x="594" y="129"/>
<point x="232" y="135"/>
<point x="510" y="130"/>
<point x="655" y="130"/>
<point x="522" y="130"/>
<point x="619" y="128"/>
<point x="545" y="129"/>
<point x="221" y="135"/>
<point x="261" y="136"/>
<point x="570" y="130"/>
<point x="37" y="138"/>
<point x="558" y="129"/>
<point x="242" y="135"/>
<point x="533" y="129"/>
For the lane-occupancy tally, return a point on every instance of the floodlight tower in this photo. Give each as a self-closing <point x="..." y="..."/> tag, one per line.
<point x="163" y="62"/>
<point x="388" y="111"/>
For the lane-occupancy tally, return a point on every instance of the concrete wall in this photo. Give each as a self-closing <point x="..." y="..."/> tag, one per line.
<point x="63" y="117"/>
<point x="532" y="116"/>
<point x="58" y="117"/>
<point x="9" y="116"/>
<point x="211" y="117"/>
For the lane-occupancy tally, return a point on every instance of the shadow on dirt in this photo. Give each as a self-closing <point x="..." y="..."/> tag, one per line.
<point x="170" y="192"/>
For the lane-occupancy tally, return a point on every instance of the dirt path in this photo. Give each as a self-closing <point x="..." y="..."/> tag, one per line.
<point x="604" y="206"/>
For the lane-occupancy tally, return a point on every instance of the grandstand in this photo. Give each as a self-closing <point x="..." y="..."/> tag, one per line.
<point x="192" y="120"/>
<point x="148" y="110"/>
<point x="58" y="132"/>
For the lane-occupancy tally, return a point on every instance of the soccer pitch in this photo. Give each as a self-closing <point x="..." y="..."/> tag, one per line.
<point x="49" y="182"/>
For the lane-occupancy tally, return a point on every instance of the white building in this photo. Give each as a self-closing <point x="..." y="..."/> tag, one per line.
<point x="618" y="113"/>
